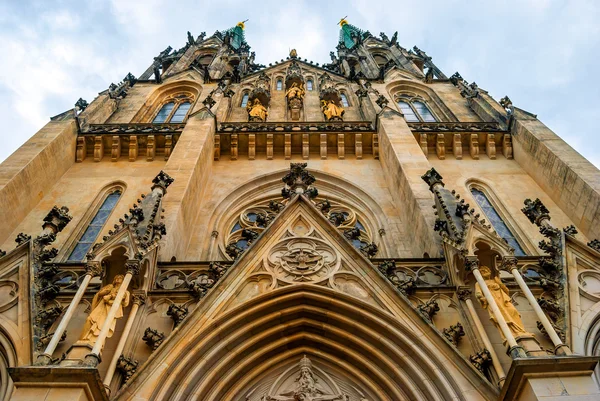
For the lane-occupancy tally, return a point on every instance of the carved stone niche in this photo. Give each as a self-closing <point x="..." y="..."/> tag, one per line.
<point x="294" y="90"/>
<point x="308" y="380"/>
<point x="331" y="99"/>
<point x="259" y="94"/>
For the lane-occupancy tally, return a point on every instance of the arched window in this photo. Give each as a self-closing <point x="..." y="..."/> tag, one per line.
<point x="309" y="85"/>
<point x="409" y="113"/>
<point x="244" y="100"/>
<point x="415" y="110"/>
<point x="496" y="221"/>
<point x="174" y="111"/>
<point x="181" y="112"/>
<point x="344" y="100"/>
<point x="279" y="84"/>
<point x="93" y="229"/>
<point x="164" y="113"/>
<point x="424" y="112"/>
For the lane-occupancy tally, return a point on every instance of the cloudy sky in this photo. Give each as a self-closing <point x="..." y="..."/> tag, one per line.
<point x="543" y="54"/>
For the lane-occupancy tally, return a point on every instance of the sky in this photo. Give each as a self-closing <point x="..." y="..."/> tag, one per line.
<point x="543" y="54"/>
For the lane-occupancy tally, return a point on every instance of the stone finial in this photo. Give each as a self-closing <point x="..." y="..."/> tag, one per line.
<point x="455" y="78"/>
<point x="299" y="181"/>
<point x="382" y="101"/>
<point x="535" y="211"/>
<point x="481" y="360"/>
<point x="57" y="219"/>
<point x="209" y="102"/>
<point x="81" y="104"/>
<point x="432" y="177"/>
<point x="130" y="78"/>
<point x="162" y="180"/>
<point x="507" y="104"/>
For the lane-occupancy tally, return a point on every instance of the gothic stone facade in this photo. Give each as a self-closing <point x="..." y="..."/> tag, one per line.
<point x="298" y="231"/>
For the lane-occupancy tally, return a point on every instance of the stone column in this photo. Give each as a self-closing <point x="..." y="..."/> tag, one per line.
<point x="139" y="298"/>
<point x="510" y="264"/>
<point x="514" y="350"/>
<point x="465" y="295"/>
<point x="93" y="358"/>
<point x="92" y="269"/>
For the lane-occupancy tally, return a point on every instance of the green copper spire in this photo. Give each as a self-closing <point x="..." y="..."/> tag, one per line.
<point x="349" y="34"/>
<point x="237" y="35"/>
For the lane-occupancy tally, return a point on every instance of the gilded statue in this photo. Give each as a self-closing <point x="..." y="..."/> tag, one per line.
<point x="101" y="304"/>
<point x="256" y="111"/>
<point x="295" y="91"/>
<point x="502" y="298"/>
<point x="331" y="110"/>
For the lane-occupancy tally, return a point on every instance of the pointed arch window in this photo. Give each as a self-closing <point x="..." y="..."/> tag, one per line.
<point x="279" y="84"/>
<point x="164" y="113"/>
<point x="245" y="100"/>
<point x="344" y="100"/>
<point x="309" y="85"/>
<point x="496" y="221"/>
<point x="415" y="110"/>
<point x="94" y="227"/>
<point x="175" y="110"/>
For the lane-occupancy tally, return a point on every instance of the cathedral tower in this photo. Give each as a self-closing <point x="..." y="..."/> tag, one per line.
<point x="368" y="229"/>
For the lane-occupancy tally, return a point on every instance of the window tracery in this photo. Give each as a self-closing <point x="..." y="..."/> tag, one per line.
<point x="175" y="108"/>
<point x="87" y="239"/>
<point x="415" y="109"/>
<point x="255" y="219"/>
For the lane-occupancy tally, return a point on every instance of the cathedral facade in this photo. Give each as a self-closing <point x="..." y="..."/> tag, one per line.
<point x="368" y="229"/>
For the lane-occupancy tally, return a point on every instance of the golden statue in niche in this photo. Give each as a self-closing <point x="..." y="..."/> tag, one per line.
<point x="502" y="298"/>
<point x="101" y="304"/>
<point x="256" y="111"/>
<point x="331" y="110"/>
<point x="295" y="91"/>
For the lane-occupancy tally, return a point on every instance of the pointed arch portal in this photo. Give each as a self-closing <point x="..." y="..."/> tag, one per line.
<point x="376" y="354"/>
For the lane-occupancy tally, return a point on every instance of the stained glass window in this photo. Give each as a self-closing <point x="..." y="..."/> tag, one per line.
<point x="496" y="221"/>
<point x="164" y="113"/>
<point x="244" y="100"/>
<point x="344" y="100"/>
<point x="409" y="113"/>
<point x="91" y="233"/>
<point x="181" y="112"/>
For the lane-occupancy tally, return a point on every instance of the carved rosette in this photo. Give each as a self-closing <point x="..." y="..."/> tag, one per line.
<point x="303" y="260"/>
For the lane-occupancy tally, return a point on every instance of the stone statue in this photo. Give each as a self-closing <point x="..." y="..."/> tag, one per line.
<point x="331" y="110"/>
<point x="295" y="91"/>
<point x="501" y="295"/>
<point x="256" y="111"/>
<point x="101" y="304"/>
<point x="306" y="388"/>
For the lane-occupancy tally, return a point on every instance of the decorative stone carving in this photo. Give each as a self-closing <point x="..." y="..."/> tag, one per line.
<point x="153" y="338"/>
<point x="332" y="111"/>
<point x="178" y="313"/>
<point x="570" y="230"/>
<point x="369" y="250"/>
<point x="594" y="244"/>
<point x="305" y="387"/>
<point x="256" y="111"/>
<point x="429" y="309"/>
<point x="535" y="211"/>
<point x="81" y="105"/>
<point x="201" y="285"/>
<point x="57" y="219"/>
<point x="127" y="367"/>
<point x="162" y="180"/>
<point x="481" y="360"/>
<point x="454" y="333"/>
<point x="22" y="238"/>
<point x="506" y="103"/>
<point x="299" y="260"/>
<point x="299" y="181"/>
<point x="463" y="294"/>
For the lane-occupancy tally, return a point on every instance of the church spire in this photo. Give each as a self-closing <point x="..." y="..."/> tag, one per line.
<point x="236" y="35"/>
<point x="350" y="35"/>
